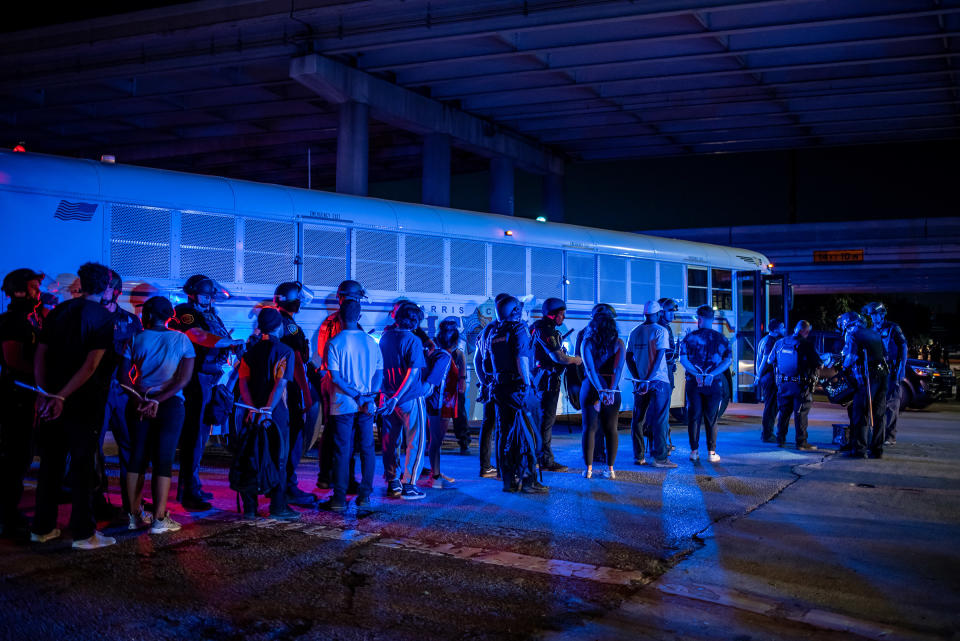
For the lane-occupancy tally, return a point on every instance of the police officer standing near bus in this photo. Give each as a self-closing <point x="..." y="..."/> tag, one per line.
<point x="895" y="348"/>
<point x="862" y="356"/>
<point x="288" y="297"/>
<point x="198" y="319"/>
<point x="485" y="382"/>
<point x="551" y="359"/>
<point x="508" y="352"/>
<point x="795" y="363"/>
<point x="766" y="378"/>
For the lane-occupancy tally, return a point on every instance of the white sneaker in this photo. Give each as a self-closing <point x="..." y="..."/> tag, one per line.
<point x="695" y="455"/>
<point x="443" y="482"/>
<point x="166" y="524"/>
<point x="96" y="541"/>
<point x="608" y="474"/>
<point x="43" y="538"/>
<point x="137" y="521"/>
<point x="588" y="474"/>
<point x="714" y="457"/>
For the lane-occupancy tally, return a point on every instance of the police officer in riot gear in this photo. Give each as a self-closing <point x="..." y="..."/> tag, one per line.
<point x="862" y="356"/>
<point x="795" y="362"/>
<point x="550" y="361"/>
<point x="485" y="382"/>
<point x="198" y="319"/>
<point x="895" y="349"/>
<point x="766" y="378"/>
<point x="288" y="297"/>
<point x="331" y="326"/>
<point x="19" y="331"/>
<point x="508" y="351"/>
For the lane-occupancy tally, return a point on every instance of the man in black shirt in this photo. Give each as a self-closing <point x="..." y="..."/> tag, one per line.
<point x="70" y="367"/>
<point x="265" y="372"/>
<point x="18" y="339"/>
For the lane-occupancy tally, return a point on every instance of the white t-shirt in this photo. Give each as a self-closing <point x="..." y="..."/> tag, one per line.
<point x="157" y="353"/>
<point x="356" y="356"/>
<point x="645" y="340"/>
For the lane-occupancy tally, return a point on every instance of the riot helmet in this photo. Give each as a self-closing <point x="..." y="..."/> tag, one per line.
<point x="113" y="291"/>
<point x="203" y="290"/>
<point x="603" y="309"/>
<point x="18" y="282"/>
<point x="848" y="320"/>
<point x="876" y="311"/>
<point x="553" y="305"/>
<point x="291" y="295"/>
<point x="509" y="309"/>
<point x="351" y="289"/>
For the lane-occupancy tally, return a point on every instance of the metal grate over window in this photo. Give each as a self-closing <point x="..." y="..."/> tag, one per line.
<point x="546" y="273"/>
<point x="468" y="267"/>
<point x="509" y="270"/>
<point x="140" y="242"/>
<point x="377" y="257"/>
<point x="423" y="264"/>
<point x="208" y="246"/>
<point x="643" y="281"/>
<point x="269" y="248"/>
<point x="324" y="256"/>
<point x="612" y="278"/>
<point x="580" y="274"/>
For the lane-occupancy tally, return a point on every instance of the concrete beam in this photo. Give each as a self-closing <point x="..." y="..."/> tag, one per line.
<point x="406" y="109"/>
<point x="501" y="186"/>
<point x="436" y="170"/>
<point x="553" y="197"/>
<point x="353" y="148"/>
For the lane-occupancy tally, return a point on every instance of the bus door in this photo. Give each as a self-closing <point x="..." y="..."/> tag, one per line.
<point x="760" y="298"/>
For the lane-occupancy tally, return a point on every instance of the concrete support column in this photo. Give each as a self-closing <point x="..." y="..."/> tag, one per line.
<point x="501" y="185"/>
<point x="435" y="188"/>
<point x="553" y="197"/>
<point x="353" y="148"/>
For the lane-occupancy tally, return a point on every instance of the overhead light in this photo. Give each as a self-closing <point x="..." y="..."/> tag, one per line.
<point x="109" y="159"/>
<point x="541" y="219"/>
<point x="508" y="232"/>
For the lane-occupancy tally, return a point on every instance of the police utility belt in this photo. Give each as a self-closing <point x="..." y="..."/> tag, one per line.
<point x="794" y="379"/>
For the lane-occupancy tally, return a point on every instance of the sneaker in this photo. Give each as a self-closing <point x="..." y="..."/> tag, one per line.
<point x="137" y="521"/>
<point x="301" y="499"/>
<point x="608" y="474"/>
<point x="443" y="482"/>
<point x="334" y="504"/>
<point x="363" y="500"/>
<point x="512" y="489"/>
<point x="714" y="457"/>
<point x="488" y="473"/>
<point x="195" y="504"/>
<point x="94" y="542"/>
<point x="394" y="489"/>
<point x="664" y="463"/>
<point x="695" y="455"/>
<point x="587" y="474"/>
<point x="889" y="442"/>
<point x="556" y="467"/>
<point x="768" y="439"/>
<point x="166" y="524"/>
<point x="806" y="447"/>
<point x="285" y="514"/>
<point x="639" y="461"/>
<point x="43" y="538"/>
<point x="411" y="492"/>
<point x="533" y="486"/>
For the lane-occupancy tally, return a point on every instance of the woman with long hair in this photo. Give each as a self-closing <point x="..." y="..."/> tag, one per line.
<point x="442" y="402"/>
<point x="604" y="355"/>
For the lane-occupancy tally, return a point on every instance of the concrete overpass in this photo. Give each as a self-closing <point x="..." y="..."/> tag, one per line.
<point x="884" y="256"/>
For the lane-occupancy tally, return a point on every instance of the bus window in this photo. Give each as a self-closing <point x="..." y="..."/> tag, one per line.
<point x="612" y="277"/>
<point x="269" y="249"/>
<point x="721" y="290"/>
<point x="208" y="244"/>
<point x="510" y="270"/>
<point x="580" y="273"/>
<point x="671" y="282"/>
<point x="697" y="286"/>
<point x="377" y="256"/>
<point x="423" y="264"/>
<point x="546" y="273"/>
<point x="468" y="267"/>
<point x="643" y="281"/>
<point x="324" y="256"/>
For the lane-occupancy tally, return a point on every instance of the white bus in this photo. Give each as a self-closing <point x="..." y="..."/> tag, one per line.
<point x="156" y="228"/>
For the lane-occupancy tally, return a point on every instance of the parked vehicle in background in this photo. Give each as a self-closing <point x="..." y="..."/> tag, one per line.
<point x="923" y="383"/>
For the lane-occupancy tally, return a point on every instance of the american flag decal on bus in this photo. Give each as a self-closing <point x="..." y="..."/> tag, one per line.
<point x="81" y="212"/>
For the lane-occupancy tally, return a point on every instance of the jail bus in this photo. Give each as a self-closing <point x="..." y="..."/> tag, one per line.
<point x="156" y="228"/>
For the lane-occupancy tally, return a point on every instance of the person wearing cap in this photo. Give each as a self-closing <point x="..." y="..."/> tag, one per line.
<point x="766" y="383"/>
<point x="157" y="366"/>
<point x="265" y="371"/>
<point x="331" y="326"/>
<point x="198" y="319"/>
<point x="550" y="361"/>
<point x="705" y="355"/>
<point x="19" y="329"/>
<point x="647" y="361"/>
<point x="895" y="350"/>
<point x="488" y="426"/>
<point x="125" y="327"/>
<point x="863" y="357"/>
<point x="404" y="411"/>
<point x="356" y="370"/>
<point x="288" y="297"/>
<point x="70" y="367"/>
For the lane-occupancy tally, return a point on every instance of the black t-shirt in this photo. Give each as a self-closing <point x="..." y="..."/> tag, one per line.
<point x="71" y="331"/>
<point x="294" y="338"/>
<point x="15" y="325"/>
<point x="263" y="363"/>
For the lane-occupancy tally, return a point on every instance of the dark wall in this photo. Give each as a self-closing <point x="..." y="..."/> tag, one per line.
<point x="809" y="185"/>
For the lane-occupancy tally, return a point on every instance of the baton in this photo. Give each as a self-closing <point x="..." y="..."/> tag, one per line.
<point x="866" y="380"/>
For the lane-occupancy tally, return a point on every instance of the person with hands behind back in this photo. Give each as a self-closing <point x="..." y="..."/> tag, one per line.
<point x="604" y="355"/>
<point x="158" y="366"/>
<point x="705" y="355"/>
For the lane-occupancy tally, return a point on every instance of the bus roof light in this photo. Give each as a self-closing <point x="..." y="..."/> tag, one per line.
<point x="508" y="232"/>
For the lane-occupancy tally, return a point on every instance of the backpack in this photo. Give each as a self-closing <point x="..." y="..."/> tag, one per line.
<point x="254" y="468"/>
<point x="788" y="360"/>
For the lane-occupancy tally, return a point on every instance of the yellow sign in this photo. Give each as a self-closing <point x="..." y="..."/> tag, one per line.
<point x="838" y="256"/>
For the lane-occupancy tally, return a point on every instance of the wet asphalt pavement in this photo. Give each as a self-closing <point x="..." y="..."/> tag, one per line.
<point x="767" y="543"/>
